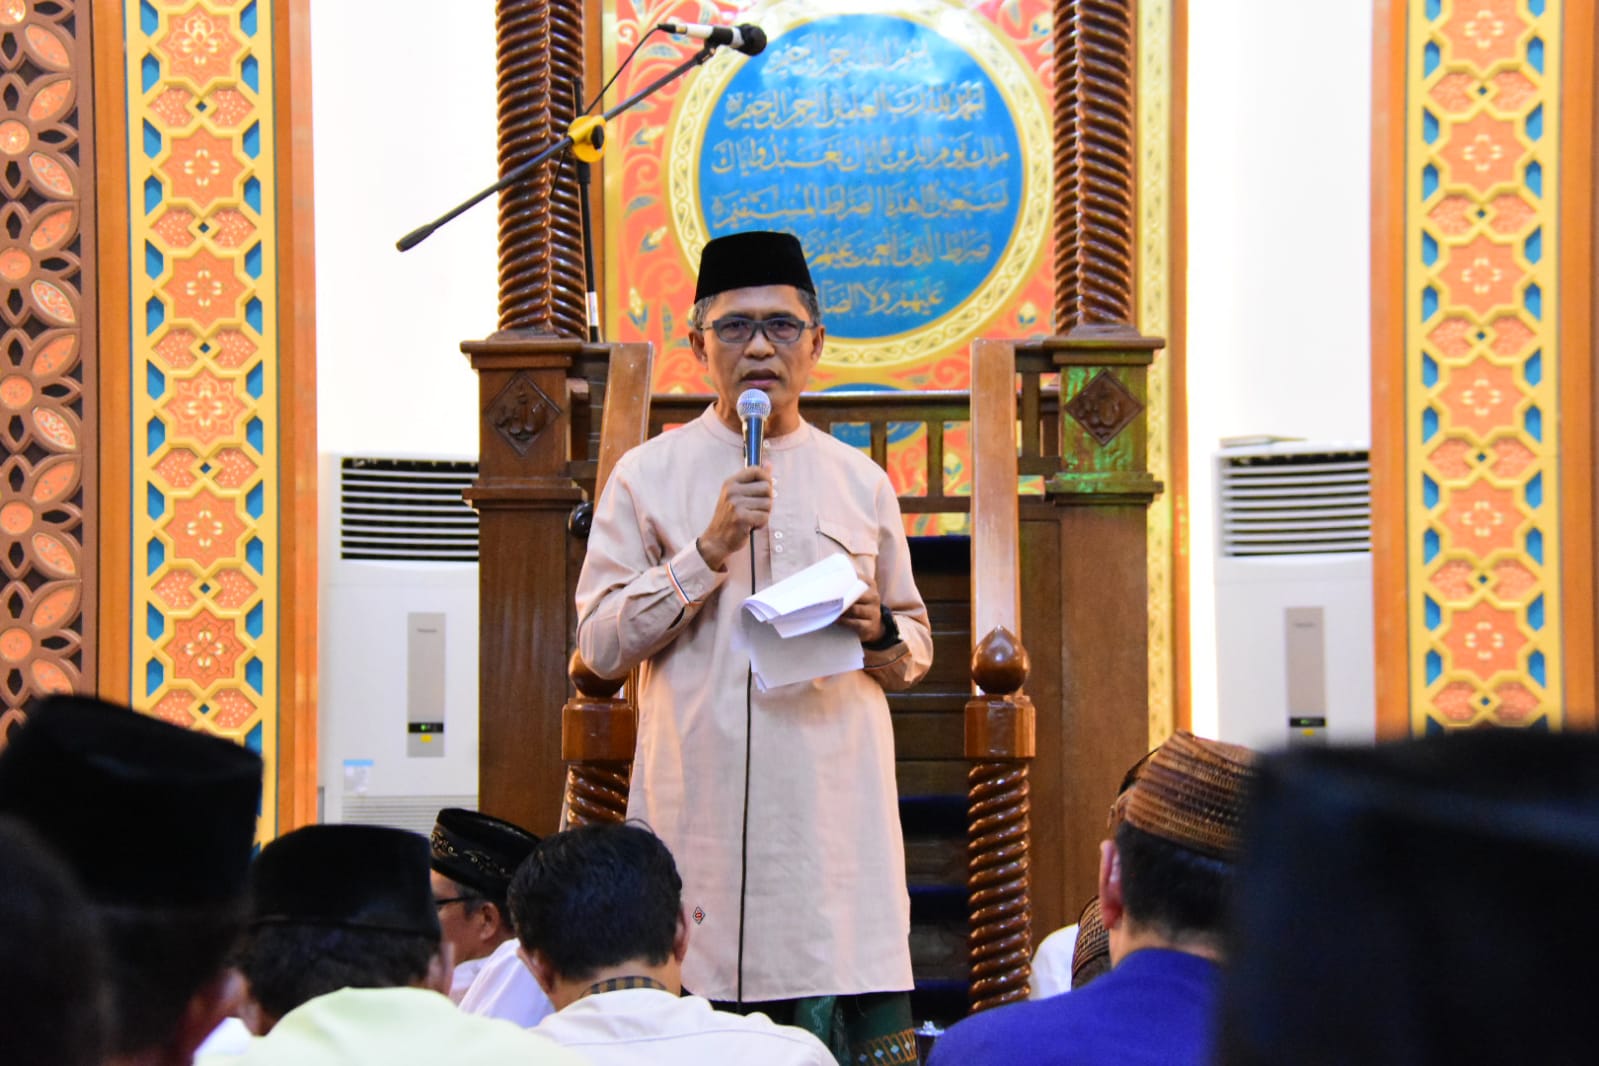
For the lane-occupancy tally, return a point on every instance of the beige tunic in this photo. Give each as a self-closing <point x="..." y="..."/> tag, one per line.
<point x="827" y="911"/>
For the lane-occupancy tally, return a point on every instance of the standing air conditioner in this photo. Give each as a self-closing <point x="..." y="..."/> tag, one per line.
<point x="397" y="701"/>
<point x="1294" y="638"/>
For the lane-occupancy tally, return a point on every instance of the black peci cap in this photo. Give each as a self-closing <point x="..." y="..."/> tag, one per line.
<point x="147" y="814"/>
<point x="1432" y="900"/>
<point x="345" y="876"/>
<point x="748" y="260"/>
<point x="479" y="850"/>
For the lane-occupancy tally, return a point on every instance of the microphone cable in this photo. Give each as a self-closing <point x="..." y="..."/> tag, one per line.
<point x="744" y="834"/>
<point x="617" y="73"/>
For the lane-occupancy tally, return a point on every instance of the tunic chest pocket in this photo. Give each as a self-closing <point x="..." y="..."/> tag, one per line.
<point x="858" y="540"/>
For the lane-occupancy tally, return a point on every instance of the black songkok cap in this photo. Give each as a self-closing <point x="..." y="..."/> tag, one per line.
<point x="478" y="850"/>
<point x="1433" y="901"/>
<point x="748" y="260"/>
<point x="345" y="876"/>
<point x="146" y="813"/>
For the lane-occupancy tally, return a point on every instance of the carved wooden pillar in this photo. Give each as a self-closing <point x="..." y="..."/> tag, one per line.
<point x="1087" y="598"/>
<point x="540" y="59"/>
<point x="1085" y="542"/>
<point x="598" y="731"/>
<point x="524" y="492"/>
<point x="1094" y="166"/>
<point x="1000" y="742"/>
<point x="523" y="495"/>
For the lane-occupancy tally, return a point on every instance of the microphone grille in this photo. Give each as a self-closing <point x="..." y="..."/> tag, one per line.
<point x="753" y="403"/>
<point x="754" y="39"/>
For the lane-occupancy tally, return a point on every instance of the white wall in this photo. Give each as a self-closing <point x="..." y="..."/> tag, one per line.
<point x="403" y="127"/>
<point x="1279" y="151"/>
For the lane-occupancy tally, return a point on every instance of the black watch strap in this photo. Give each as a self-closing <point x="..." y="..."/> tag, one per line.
<point x="890" y="635"/>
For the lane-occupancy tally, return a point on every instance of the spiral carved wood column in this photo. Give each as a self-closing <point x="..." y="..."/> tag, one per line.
<point x="1094" y="167"/>
<point x="540" y="59"/>
<point x="1000" y="741"/>
<point x="598" y="730"/>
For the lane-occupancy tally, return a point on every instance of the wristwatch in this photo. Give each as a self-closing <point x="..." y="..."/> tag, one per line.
<point x="890" y="635"/>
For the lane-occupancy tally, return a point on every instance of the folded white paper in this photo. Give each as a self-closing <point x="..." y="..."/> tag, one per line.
<point x="788" y="628"/>
<point x="807" y="601"/>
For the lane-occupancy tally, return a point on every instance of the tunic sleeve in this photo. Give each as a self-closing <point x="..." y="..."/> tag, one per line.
<point x="631" y="601"/>
<point x="901" y="665"/>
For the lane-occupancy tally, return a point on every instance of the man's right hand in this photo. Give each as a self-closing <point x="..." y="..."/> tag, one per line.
<point x="745" y="505"/>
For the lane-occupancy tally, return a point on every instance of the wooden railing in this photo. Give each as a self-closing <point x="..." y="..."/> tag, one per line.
<point x="1000" y="727"/>
<point x="934" y="411"/>
<point x="599" y="726"/>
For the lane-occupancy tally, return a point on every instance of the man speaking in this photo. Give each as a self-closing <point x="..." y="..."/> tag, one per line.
<point x="780" y="805"/>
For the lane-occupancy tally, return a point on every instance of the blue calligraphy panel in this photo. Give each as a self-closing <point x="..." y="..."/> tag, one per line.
<point x="887" y="149"/>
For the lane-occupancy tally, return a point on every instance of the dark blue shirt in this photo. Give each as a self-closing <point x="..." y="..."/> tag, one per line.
<point x="1154" y="1008"/>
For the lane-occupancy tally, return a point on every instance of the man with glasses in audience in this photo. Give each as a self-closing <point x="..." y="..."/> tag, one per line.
<point x="796" y="885"/>
<point x="473" y="856"/>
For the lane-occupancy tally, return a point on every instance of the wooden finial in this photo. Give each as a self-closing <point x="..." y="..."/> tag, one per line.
<point x="999" y="662"/>
<point x="591" y="684"/>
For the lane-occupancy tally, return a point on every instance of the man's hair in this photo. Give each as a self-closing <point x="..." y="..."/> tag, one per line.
<point x="598" y="896"/>
<point x="472" y="899"/>
<point x="696" y="315"/>
<point x="51" y="963"/>
<point x="288" y="964"/>
<point x="158" y="959"/>
<point x="1170" y="889"/>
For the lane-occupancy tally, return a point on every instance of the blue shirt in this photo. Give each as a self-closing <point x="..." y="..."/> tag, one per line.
<point x="1155" y="1008"/>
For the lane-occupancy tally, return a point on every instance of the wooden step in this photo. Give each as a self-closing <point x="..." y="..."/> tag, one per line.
<point x="929" y="735"/>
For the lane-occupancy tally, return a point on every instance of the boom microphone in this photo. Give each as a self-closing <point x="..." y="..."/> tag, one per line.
<point x="746" y="38"/>
<point x="754" y="407"/>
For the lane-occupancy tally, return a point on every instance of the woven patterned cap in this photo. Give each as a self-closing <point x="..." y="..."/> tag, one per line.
<point x="1191" y="794"/>
<point x="1093" y="942"/>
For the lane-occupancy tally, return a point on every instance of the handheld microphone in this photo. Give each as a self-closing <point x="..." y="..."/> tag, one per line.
<point x="754" y="407"/>
<point x="746" y="38"/>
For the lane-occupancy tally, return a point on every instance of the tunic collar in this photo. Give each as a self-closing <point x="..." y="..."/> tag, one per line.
<point x="618" y="984"/>
<point x="719" y="430"/>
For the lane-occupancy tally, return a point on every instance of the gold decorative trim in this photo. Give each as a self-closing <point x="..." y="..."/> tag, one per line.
<point x="1154" y="305"/>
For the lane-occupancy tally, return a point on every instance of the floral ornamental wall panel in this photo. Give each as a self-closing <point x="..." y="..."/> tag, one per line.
<point x="204" y="305"/>
<point x="47" y="380"/>
<point x="1482" y="365"/>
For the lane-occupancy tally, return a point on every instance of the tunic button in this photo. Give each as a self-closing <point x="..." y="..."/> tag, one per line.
<point x="778" y="549"/>
<point x="778" y="534"/>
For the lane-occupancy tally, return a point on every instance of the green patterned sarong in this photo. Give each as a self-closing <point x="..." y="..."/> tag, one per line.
<point x="874" y="1029"/>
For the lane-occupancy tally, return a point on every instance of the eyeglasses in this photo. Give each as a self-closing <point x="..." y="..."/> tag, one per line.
<point x="780" y="329"/>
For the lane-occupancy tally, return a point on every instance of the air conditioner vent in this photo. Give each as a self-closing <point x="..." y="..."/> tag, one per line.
<point x="1288" y="503"/>
<point x="406" y="510"/>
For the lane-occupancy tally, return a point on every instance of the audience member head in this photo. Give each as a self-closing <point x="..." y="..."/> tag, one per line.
<point x="339" y="906"/>
<point x="1165" y="878"/>
<point x="474" y="856"/>
<point x="157" y="823"/>
<point x="1091" y="952"/>
<point x="1432" y="901"/>
<point x="52" y="972"/>
<point x="1118" y="806"/>
<point x="597" y="902"/>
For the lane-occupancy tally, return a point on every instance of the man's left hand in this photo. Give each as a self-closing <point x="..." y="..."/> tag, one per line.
<point x="865" y="615"/>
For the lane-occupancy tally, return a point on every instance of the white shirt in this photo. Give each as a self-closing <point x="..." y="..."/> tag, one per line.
<point x="647" y="1025"/>
<point x="465" y="973"/>
<point x="505" y="989"/>
<point x="1052" y="964"/>
<point x="230" y="1037"/>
